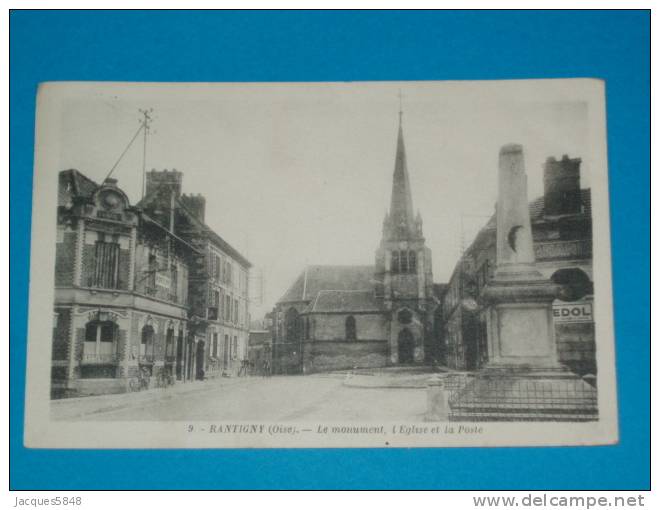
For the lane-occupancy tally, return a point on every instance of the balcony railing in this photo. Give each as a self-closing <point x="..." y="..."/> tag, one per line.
<point x="577" y="249"/>
<point x="99" y="359"/>
<point x="146" y="358"/>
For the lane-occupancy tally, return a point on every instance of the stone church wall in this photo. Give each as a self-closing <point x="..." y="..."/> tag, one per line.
<point x="344" y="355"/>
<point x="333" y="326"/>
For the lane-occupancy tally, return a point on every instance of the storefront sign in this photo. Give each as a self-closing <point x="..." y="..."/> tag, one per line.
<point x="163" y="280"/>
<point x="572" y="312"/>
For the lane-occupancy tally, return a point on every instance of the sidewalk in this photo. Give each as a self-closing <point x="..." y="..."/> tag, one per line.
<point x="74" y="408"/>
<point x="415" y="377"/>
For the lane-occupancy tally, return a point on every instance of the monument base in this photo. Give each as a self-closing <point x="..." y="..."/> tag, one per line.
<point x="524" y="393"/>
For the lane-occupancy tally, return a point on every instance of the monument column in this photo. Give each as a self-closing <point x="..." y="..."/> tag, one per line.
<point x="520" y="324"/>
<point x="523" y="380"/>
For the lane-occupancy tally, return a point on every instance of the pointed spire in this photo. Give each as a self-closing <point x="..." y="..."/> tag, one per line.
<point x="401" y="208"/>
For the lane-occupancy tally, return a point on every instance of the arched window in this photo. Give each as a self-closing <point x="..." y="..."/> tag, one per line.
<point x="351" y="332"/>
<point x="404" y="261"/>
<point x="395" y="261"/>
<point x="147" y="343"/>
<point x="575" y="284"/>
<point x="100" y="341"/>
<point x="412" y="262"/>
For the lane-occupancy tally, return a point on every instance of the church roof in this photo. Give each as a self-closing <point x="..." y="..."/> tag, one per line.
<point x="346" y="301"/>
<point x="317" y="278"/>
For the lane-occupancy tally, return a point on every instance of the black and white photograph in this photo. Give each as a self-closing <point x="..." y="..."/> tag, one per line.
<point x="320" y="264"/>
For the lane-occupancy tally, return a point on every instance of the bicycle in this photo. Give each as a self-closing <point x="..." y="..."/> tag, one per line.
<point x="141" y="382"/>
<point x="164" y="380"/>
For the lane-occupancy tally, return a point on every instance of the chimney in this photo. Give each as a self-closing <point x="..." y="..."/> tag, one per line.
<point x="196" y="204"/>
<point x="170" y="179"/>
<point x="561" y="185"/>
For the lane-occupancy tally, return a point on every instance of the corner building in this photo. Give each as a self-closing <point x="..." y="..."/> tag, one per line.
<point x="145" y="288"/>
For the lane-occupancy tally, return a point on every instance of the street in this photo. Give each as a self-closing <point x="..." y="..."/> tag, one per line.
<point x="279" y="398"/>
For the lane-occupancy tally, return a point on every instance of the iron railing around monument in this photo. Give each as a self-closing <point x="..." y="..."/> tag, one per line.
<point x="510" y="397"/>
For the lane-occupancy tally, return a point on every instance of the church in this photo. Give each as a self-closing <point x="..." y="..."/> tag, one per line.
<point x="345" y="317"/>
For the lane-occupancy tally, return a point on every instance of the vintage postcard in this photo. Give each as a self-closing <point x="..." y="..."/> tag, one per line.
<point x="381" y="264"/>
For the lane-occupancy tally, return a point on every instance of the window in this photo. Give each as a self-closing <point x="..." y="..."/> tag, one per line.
<point x="226" y="353"/>
<point x="106" y="265"/>
<point x="351" y="333"/>
<point x="236" y="311"/>
<point x="100" y="341"/>
<point x="147" y="344"/>
<point x="412" y="262"/>
<point x="214" y="352"/>
<point x="227" y="308"/>
<point x="174" y="286"/>
<point x="151" y="273"/>
<point x="395" y="261"/>
<point x="234" y="350"/>
<point x="169" y="343"/>
<point x="403" y="260"/>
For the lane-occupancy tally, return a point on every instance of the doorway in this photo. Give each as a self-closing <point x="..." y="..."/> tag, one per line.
<point x="406" y="345"/>
<point x="199" y="372"/>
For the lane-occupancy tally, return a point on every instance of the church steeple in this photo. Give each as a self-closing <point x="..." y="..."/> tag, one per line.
<point x="402" y="219"/>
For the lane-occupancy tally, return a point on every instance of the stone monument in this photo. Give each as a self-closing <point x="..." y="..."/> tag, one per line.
<point x="523" y="379"/>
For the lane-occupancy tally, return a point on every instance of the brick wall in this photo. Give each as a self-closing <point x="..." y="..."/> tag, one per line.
<point x="576" y="346"/>
<point x="87" y="267"/>
<point x="124" y="268"/>
<point x="61" y="335"/>
<point x="65" y="253"/>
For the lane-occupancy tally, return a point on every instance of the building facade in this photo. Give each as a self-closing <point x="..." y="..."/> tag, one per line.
<point x="562" y="240"/>
<point x="344" y="317"/>
<point x="127" y="280"/>
<point x="218" y="301"/>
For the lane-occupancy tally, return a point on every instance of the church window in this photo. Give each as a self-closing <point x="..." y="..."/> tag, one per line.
<point x="404" y="261"/>
<point x="351" y="330"/>
<point x="405" y="316"/>
<point x="412" y="262"/>
<point x="395" y="261"/>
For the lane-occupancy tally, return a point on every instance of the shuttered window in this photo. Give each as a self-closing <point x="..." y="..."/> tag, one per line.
<point x="106" y="267"/>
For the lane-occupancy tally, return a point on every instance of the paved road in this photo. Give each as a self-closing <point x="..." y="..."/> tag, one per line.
<point x="280" y="398"/>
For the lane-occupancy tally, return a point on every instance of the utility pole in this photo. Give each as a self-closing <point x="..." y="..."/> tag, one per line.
<point x="145" y="123"/>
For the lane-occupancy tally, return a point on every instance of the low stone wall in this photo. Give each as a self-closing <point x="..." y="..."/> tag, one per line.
<point x="89" y="387"/>
<point x="345" y="355"/>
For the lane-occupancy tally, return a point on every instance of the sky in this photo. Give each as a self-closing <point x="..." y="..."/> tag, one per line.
<point x="297" y="174"/>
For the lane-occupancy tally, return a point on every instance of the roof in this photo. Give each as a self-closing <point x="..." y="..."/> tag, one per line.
<point x="317" y="278"/>
<point x="537" y="206"/>
<point x="352" y="301"/>
<point x="213" y="235"/>
<point x="439" y="289"/>
<point x="536" y="214"/>
<point x="74" y="184"/>
<point x="257" y="337"/>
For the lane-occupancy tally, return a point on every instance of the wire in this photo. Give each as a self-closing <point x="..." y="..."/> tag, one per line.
<point x="125" y="151"/>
